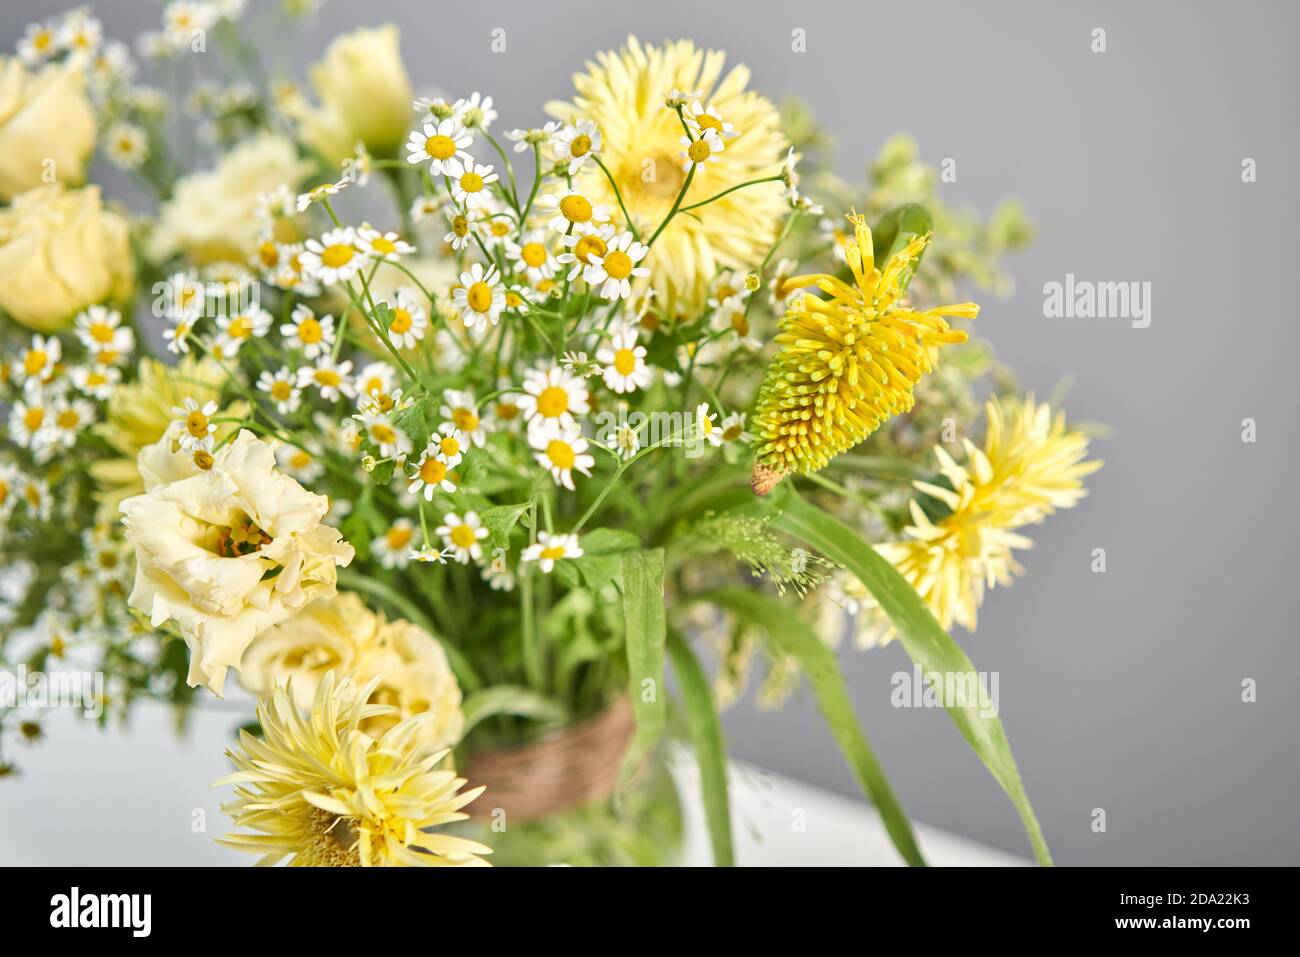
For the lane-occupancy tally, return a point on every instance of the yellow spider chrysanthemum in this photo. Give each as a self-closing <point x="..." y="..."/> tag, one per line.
<point x="847" y="362"/>
<point x="623" y="94"/>
<point x="320" y="791"/>
<point x="1031" y="465"/>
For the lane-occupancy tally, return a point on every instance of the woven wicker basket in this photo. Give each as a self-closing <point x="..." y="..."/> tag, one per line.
<point x="563" y="770"/>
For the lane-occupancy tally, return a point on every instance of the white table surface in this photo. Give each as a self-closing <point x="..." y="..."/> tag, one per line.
<point x="138" y="796"/>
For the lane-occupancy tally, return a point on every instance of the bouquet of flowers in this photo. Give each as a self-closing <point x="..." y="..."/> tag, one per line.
<point x="449" y="444"/>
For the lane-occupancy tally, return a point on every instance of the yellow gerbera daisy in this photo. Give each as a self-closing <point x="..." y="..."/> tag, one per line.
<point x="320" y="791"/>
<point x="847" y="362"/>
<point x="623" y="94"/>
<point x="1031" y="465"/>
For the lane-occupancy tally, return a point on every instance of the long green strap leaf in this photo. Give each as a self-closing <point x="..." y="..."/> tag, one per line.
<point x="510" y="699"/>
<point x="925" y="641"/>
<point x="794" y="636"/>
<point x="642" y="573"/>
<point x="706" y="735"/>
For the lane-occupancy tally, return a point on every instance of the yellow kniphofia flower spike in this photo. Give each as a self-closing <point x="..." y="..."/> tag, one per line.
<point x="849" y="359"/>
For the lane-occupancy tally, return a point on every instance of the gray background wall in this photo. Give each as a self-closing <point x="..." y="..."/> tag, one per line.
<point x="1119" y="691"/>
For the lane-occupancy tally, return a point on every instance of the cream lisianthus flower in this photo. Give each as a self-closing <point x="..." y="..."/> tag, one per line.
<point x="60" y="252"/>
<point x="47" y="128"/>
<point x="414" y="678"/>
<point x="229" y="551"/>
<point x="212" y="216"/>
<point x="365" y="96"/>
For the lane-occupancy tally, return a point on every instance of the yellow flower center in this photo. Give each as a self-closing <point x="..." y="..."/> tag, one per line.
<point x="464" y="419"/>
<point x="576" y="209"/>
<point x="107" y="357"/>
<point x="581" y="145"/>
<point x="299" y="460"/>
<point x="399" y="537"/>
<point x="560" y="453"/>
<point x="460" y="226"/>
<point x="732" y="432"/>
<point x="337" y="255"/>
<point x="241" y="327"/>
<point x="553" y="553"/>
<point x="281" y="390"/>
<point x="699" y="151"/>
<point x="553" y="402"/>
<point x="479" y="297"/>
<point x="708" y="122"/>
<point x="196" y="424"/>
<point x="383" y="433"/>
<point x="269" y="253"/>
<point x="624" y="361"/>
<point x="740" y="323"/>
<point x="440" y="147"/>
<point x="507" y="411"/>
<point x="35" y="361"/>
<point x="533" y="254"/>
<point x="95" y="378"/>
<point x="203" y="459"/>
<point x="589" y="246"/>
<point x="68" y="419"/>
<point x="514" y="300"/>
<point x="101" y="332"/>
<point x="618" y="264"/>
<point x="432" y="471"/>
<point x="309" y="331"/>
<point x="471" y="182"/>
<point x="462" y="536"/>
<point x="500" y="227"/>
<point x="450" y="445"/>
<point x="401" y="321"/>
<point x="383" y="245"/>
<point x="33" y="418"/>
<point x="328" y="377"/>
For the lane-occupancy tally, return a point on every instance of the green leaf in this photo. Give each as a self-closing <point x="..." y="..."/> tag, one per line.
<point x="794" y="636"/>
<point x="602" y="556"/>
<point x="922" y="637"/>
<point x="510" y="699"/>
<point x="642" y="573"/>
<point x="706" y="736"/>
<point x="500" y="520"/>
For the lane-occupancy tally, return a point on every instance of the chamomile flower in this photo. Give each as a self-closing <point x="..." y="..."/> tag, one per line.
<point x="676" y="99"/>
<point x="9" y="479"/>
<point x="550" y="549"/>
<point x="304" y="330"/>
<point x="449" y="444"/>
<point x="288" y="273"/>
<point x="383" y="247"/>
<point x="436" y="143"/>
<point x="37" y="497"/>
<point x="480" y="297"/>
<point x="96" y="381"/>
<point x="624" y="364"/>
<point x="431" y="474"/>
<point x="38" y="44"/>
<point x="29" y="424"/>
<point x="523" y="139"/>
<point x="38" y="363"/>
<point x="460" y="409"/>
<point x="627" y="441"/>
<point x="409" y="322"/>
<point x="282" y="387"/>
<point x="252" y="322"/>
<point x="463" y="227"/>
<point x="705" y="426"/>
<point x="779" y="293"/>
<point x="705" y="119"/>
<point x="193" y="425"/>
<point x="519" y="297"/>
<point x="585" y="248"/>
<point x="436" y="107"/>
<point x="733" y="428"/>
<point x="376" y="379"/>
<point x="552" y="396"/>
<point x="391" y="441"/>
<point x="562" y="451"/>
<point x="430" y="555"/>
<point x="475" y="111"/>
<point x="425" y="207"/>
<point x="701" y="151"/>
<point x="497" y="227"/>
<point x="331" y="378"/>
<point x="535" y="258"/>
<point x="334" y="258"/>
<point x="576" y="144"/>
<point x="573" y="210"/>
<point x="68" y="417"/>
<point x="80" y="34"/>
<point x="301" y="463"/>
<point x="178" y="336"/>
<point x="126" y="145"/>
<point x="614" y="270"/>
<point x="320" y="192"/>
<point x="469" y="182"/>
<point x="393" y="548"/>
<point x="463" y="535"/>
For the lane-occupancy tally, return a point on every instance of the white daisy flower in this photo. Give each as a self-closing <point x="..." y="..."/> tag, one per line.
<point x="627" y="441"/>
<point x="534" y="257"/>
<point x="80" y="35"/>
<point x="436" y="107"/>
<point x="36" y="495"/>
<point x="289" y="273"/>
<point x="331" y="378"/>
<point x="469" y="182"/>
<point x="283" y="389"/>
<point x="475" y="111"/>
<point x="461" y="411"/>
<point x="193" y="425"/>
<point x="29" y="424"/>
<point x="705" y="426"/>
<point x="383" y="247"/>
<point x="733" y="428"/>
<point x="67" y="418"/>
<point x="614" y="270"/>
<point x="302" y="464"/>
<point x="550" y="549"/>
<point x="519" y="297"/>
<point x="126" y="145"/>
<point x="625" y="369"/>
<point x="305" y="331"/>
<point x="523" y="139"/>
<point x="463" y="535"/>
<point x="449" y="444"/>
<point x="376" y="379"/>
<point x="409" y="321"/>
<point x="234" y="331"/>
<point x="576" y="144"/>
<point x="335" y="257"/>
<point x="705" y="119"/>
<point x="425" y="207"/>
<point x="583" y="247"/>
<point x="780" y="295"/>
<point x="480" y="297"/>
<point x="573" y="210"/>
<point x="320" y="192"/>
<point x="391" y="441"/>
<point x="429" y="554"/>
<point x="431" y="474"/>
<point x="552" y="396"/>
<point x="393" y="548"/>
<point x="437" y="143"/>
<point x="38" y="363"/>
<point x="39" y="43"/>
<point x="178" y="336"/>
<point x="496" y="228"/>
<point x="701" y="151"/>
<point x="562" y="450"/>
<point x="463" y="227"/>
<point x="96" y="381"/>
<point x="676" y="99"/>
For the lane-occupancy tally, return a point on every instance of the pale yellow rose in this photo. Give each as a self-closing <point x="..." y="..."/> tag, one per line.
<point x="61" y="251"/>
<point x="341" y="634"/>
<point x="212" y="215"/>
<point x="365" y="96"/>
<point x="227" y="552"/>
<point x="47" y="128"/>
